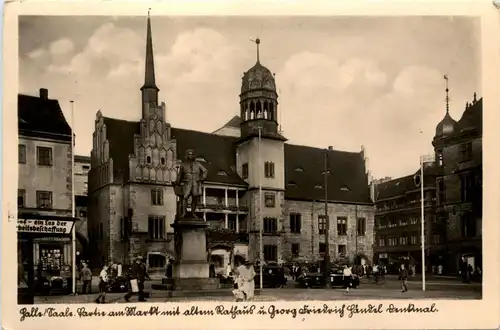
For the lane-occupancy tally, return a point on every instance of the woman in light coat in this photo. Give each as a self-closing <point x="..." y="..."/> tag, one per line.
<point x="246" y="279"/>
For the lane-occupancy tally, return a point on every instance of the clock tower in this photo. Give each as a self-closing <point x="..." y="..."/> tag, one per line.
<point x="260" y="161"/>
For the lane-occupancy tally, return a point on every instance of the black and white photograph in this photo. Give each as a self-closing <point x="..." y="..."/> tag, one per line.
<point x="248" y="159"/>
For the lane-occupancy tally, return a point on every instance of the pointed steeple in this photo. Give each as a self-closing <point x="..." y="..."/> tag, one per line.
<point x="149" y="89"/>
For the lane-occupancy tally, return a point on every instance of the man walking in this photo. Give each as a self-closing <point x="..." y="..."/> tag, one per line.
<point x="86" y="276"/>
<point x="137" y="278"/>
<point x="403" y="277"/>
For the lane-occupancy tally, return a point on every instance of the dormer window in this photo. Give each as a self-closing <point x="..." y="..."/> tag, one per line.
<point x="299" y="169"/>
<point x="344" y="188"/>
<point x="162" y="161"/>
<point x="292" y="184"/>
<point x="148" y="159"/>
<point x="222" y="173"/>
<point x="318" y="186"/>
<point x="201" y="159"/>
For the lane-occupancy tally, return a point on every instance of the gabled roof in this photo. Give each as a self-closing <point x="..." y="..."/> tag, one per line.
<point x="234" y="122"/>
<point x="218" y="151"/>
<point x="120" y="134"/>
<point x="42" y="118"/>
<point x="400" y="186"/>
<point x="348" y="182"/>
<point x="304" y="175"/>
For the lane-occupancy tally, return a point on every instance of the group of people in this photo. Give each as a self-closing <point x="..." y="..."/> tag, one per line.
<point x="136" y="277"/>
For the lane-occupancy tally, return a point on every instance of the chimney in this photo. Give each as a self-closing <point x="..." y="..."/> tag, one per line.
<point x="44" y="93"/>
<point x="330" y="147"/>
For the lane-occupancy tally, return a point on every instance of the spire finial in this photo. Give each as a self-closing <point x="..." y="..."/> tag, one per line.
<point x="475" y="96"/>
<point x="257" y="42"/>
<point x="149" y="12"/>
<point x="149" y="72"/>
<point x="447" y="97"/>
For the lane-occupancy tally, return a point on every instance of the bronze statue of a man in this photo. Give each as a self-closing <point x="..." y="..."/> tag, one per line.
<point x="191" y="177"/>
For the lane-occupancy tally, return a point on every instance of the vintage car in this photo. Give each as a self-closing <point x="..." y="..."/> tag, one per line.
<point x="317" y="279"/>
<point x="273" y="276"/>
<point x="119" y="284"/>
<point x="337" y="278"/>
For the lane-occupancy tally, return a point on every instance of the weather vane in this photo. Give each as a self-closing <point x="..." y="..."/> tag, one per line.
<point x="257" y="41"/>
<point x="447" y="97"/>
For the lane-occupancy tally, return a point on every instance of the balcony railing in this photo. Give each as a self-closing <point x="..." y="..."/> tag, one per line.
<point x="221" y="207"/>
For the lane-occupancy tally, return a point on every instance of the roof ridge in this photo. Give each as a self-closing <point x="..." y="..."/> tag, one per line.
<point x="317" y="148"/>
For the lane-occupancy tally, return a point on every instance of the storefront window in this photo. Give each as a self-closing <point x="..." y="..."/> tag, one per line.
<point x="51" y="258"/>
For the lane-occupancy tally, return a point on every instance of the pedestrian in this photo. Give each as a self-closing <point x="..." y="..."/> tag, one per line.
<point x="137" y="277"/>
<point x="347" y="277"/>
<point x="86" y="277"/>
<point x="103" y="285"/>
<point x="376" y="273"/>
<point x="246" y="274"/>
<point x="403" y="278"/>
<point x="440" y="270"/>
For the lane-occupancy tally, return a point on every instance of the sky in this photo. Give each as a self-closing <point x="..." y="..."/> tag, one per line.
<point x="344" y="82"/>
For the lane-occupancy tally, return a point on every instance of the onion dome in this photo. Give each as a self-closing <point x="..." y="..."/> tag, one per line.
<point x="447" y="125"/>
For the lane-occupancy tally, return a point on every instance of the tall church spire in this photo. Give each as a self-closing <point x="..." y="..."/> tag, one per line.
<point x="149" y="89"/>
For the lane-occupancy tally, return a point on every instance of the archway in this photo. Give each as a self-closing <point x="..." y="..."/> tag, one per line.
<point x="84" y="248"/>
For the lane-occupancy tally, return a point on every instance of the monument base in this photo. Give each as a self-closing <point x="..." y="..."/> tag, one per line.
<point x="191" y="284"/>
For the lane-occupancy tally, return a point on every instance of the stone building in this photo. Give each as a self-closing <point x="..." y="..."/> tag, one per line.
<point x="44" y="185"/>
<point x="458" y="147"/>
<point x="453" y="200"/>
<point x="398" y="220"/>
<point x="82" y="168"/>
<point x="134" y="165"/>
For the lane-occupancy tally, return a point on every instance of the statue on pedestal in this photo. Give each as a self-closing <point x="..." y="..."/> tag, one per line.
<point x="189" y="183"/>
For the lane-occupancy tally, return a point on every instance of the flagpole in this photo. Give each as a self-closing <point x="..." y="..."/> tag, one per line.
<point x="422" y="219"/>
<point x="73" y="232"/>
<point x="327" y="231"/>
<point x="261" y="252"/>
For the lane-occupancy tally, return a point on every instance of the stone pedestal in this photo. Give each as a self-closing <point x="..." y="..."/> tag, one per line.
<point x="191" y="268"/>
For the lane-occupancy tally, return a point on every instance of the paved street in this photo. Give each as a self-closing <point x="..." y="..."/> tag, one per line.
<point x="436" y="289"/>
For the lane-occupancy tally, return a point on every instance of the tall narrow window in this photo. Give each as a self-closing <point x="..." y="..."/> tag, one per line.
<point x="341" y="226"/>
<point x="342" y="249"/>
<point x="244" y="171"/>
<point x="21" y="198"/>
<point x="156" y="227"/>
<point x="44" y="199"/>
<point x="270" y="225"/>
<point x="441" y="192"/>
<point x="269" y="169"/>
<point x="270" y="253"/>
<point x="295" y="223"/>
<point x="466" y="151"/>
<point x="321" y="224"/>
<point x="44" y="156"/>
<point x="22" y="154"/>
<point x="295" y="249"/>
<point x="157" y="196"/>
<point x="361" y="226"/>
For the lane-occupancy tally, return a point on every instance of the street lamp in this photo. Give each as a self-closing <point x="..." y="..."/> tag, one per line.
<point x="327" y="231"/>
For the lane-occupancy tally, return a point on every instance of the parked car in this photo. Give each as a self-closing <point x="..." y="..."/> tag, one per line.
<point x="310" y="279"/>
<point x="337" y="278"/>
<point x="273" y="276"/>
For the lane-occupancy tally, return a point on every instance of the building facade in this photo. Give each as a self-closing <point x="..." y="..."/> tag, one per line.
<point x="82" y="168"/>
<point x="398" y="219"/>
<point x="453" y="201"/>
<point x="458" y="147"/>
<point x="133" y="164"/>
<point x="44" y="185"/>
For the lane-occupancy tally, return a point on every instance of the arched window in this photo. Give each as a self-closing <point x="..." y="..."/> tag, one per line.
<point x="162" y="161"/>
<point x="259" y="109"/>
<point x="148" y="159"/>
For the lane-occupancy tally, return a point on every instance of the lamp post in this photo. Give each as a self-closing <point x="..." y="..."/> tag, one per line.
<point x="327" y="231"/>
<point x="73" y="232"/>
<point x="261" y="251"/>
